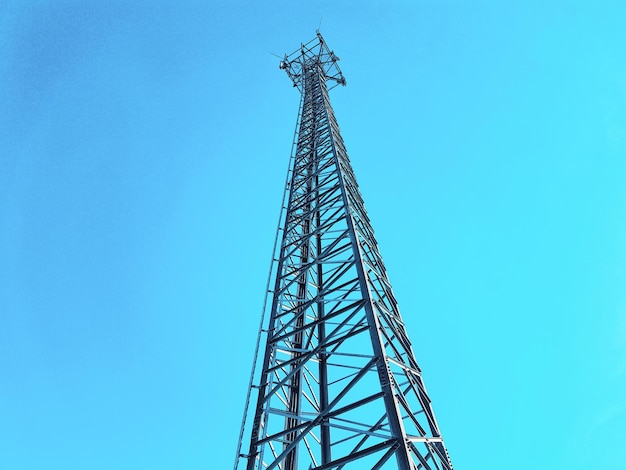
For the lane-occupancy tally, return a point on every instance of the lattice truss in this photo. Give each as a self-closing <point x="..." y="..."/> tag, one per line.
<point x="338" y="386"/>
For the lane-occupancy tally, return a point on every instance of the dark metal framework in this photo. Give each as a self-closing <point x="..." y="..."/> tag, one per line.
<point x="338" y="386"/>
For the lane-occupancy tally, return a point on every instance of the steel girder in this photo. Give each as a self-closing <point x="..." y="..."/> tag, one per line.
<point x="338" y="386"/>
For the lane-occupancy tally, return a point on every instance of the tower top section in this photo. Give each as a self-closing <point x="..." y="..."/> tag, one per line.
<point x="313" y="55"/>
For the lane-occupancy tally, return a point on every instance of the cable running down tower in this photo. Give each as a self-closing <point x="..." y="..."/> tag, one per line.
<point x="337" y="385"/>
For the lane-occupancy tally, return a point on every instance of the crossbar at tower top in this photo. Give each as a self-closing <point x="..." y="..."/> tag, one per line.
<point x="313" y="53"/>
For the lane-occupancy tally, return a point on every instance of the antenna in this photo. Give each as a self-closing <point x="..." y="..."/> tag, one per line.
<point x="335" y="383"/>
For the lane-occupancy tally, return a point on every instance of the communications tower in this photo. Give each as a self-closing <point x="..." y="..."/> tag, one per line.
<point x="336" y="385"/>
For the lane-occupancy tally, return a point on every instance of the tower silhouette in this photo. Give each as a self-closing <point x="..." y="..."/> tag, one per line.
<point x="337" y="385"/>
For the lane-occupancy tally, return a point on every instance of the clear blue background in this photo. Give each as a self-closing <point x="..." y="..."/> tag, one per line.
<point x="143" y="149"/>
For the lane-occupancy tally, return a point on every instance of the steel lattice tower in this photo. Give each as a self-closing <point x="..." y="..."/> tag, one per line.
<point x="337" y="386"/>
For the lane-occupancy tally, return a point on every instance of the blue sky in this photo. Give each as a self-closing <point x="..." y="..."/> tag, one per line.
<point x="143" y="149"/>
